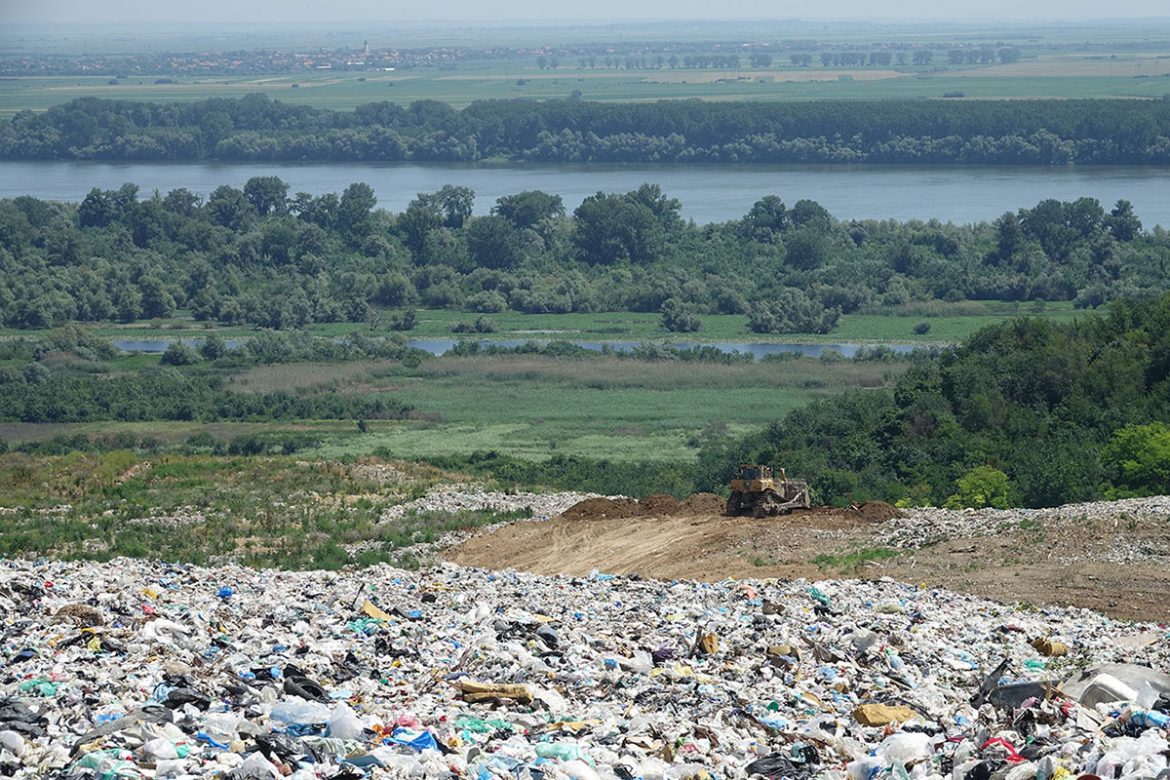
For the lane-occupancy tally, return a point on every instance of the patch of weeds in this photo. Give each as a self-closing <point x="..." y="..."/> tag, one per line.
<point x="854" y="560"/>
<point x="761" y="561"/>
<point x="329" y="556"/>
<point x="407" y="561"/>
<point x="1033" y="531"/>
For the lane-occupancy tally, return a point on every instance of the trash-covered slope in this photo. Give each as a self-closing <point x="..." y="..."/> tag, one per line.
<point x="134" y="669"/>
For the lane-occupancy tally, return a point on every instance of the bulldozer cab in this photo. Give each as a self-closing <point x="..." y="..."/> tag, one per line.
<point x="754" y="472"/>
<point x="754" y="476"/>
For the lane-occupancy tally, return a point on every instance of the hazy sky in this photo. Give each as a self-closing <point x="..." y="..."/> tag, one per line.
<point x="213" y="11"/>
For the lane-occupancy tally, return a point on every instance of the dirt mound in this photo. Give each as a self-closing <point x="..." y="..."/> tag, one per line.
<point x="659" y="505"/>
<point x="1015" y="564"/>
<point x="875" y="512"/>
<point x="700" y="504"/>
<point x="602" y="509"/>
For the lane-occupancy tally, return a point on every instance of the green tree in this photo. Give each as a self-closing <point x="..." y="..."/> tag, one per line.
<point x="806" y="248"/>
<point x="494" y="242"/>
<point x="97" y="210"/>
<point x="765" y="222"/>
<point x="611" y="228"/>
<point x="1122" y="222"/>
<point x="1009" y="236"/>
<point x="1137" y="460"/>
<point x="354" y="211"/>
<point x="157" y="300"/>
<point x="422" y="215"/>
<point x="127" y="302"/>
<point x="982" y="486"/>
<point x="456" y="204"/>
<point x="530" y="208"/>
<point x="213" y="347"/>
<point x="228" y="207"/>
<point x="182" y="202"/>
<point x="267" y="194"/>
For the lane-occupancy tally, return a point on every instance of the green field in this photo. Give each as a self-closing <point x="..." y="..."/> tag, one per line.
<point x="499" y="60"/>
<point x="527" y="406"/>
<point x="949" y="323"/>
<point x="343" y="91"/>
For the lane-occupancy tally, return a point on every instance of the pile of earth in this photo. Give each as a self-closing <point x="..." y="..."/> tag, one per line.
<point x="708" y="504"/>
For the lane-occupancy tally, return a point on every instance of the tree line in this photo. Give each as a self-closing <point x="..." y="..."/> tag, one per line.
<point x="263" y="257"/>
<point x="257" y="128"/>
<point x="1023" y="413"/>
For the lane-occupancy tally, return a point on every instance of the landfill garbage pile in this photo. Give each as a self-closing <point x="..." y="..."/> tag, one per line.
<point x="924" y="526"/>
<point x="134" y="669"/>
<point x="465" y="498"/>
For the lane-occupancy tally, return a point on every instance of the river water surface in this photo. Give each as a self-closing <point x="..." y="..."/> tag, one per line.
<point x="709" y="193"/>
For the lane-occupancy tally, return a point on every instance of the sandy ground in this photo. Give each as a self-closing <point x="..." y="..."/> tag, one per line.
<point x="1046" y="563"/>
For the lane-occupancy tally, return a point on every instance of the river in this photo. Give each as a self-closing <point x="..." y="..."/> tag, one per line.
<point x="709" y="193"/>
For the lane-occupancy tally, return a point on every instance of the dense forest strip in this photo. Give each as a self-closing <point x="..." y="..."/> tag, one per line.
<point x="257" y="128"/>
<point x="261" y="257"/>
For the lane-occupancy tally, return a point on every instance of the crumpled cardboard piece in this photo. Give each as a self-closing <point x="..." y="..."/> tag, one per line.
<point x="882" y="714"/>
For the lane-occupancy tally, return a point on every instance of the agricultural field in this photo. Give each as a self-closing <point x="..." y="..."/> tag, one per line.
<point x="1144" y="75"/>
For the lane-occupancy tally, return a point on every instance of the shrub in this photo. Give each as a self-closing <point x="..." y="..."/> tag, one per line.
<point x="487" y="302"/>
<point x="792" y="312"/>
<point x="678" y="317"/>
<point x="179" y="354"/>
<point x="403" y="320"/>
<point x="481" y="324"/>
<point x="922" y="328"/>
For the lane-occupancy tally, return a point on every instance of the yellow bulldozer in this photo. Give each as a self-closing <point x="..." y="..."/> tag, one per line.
<point x="758" y="491"/>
